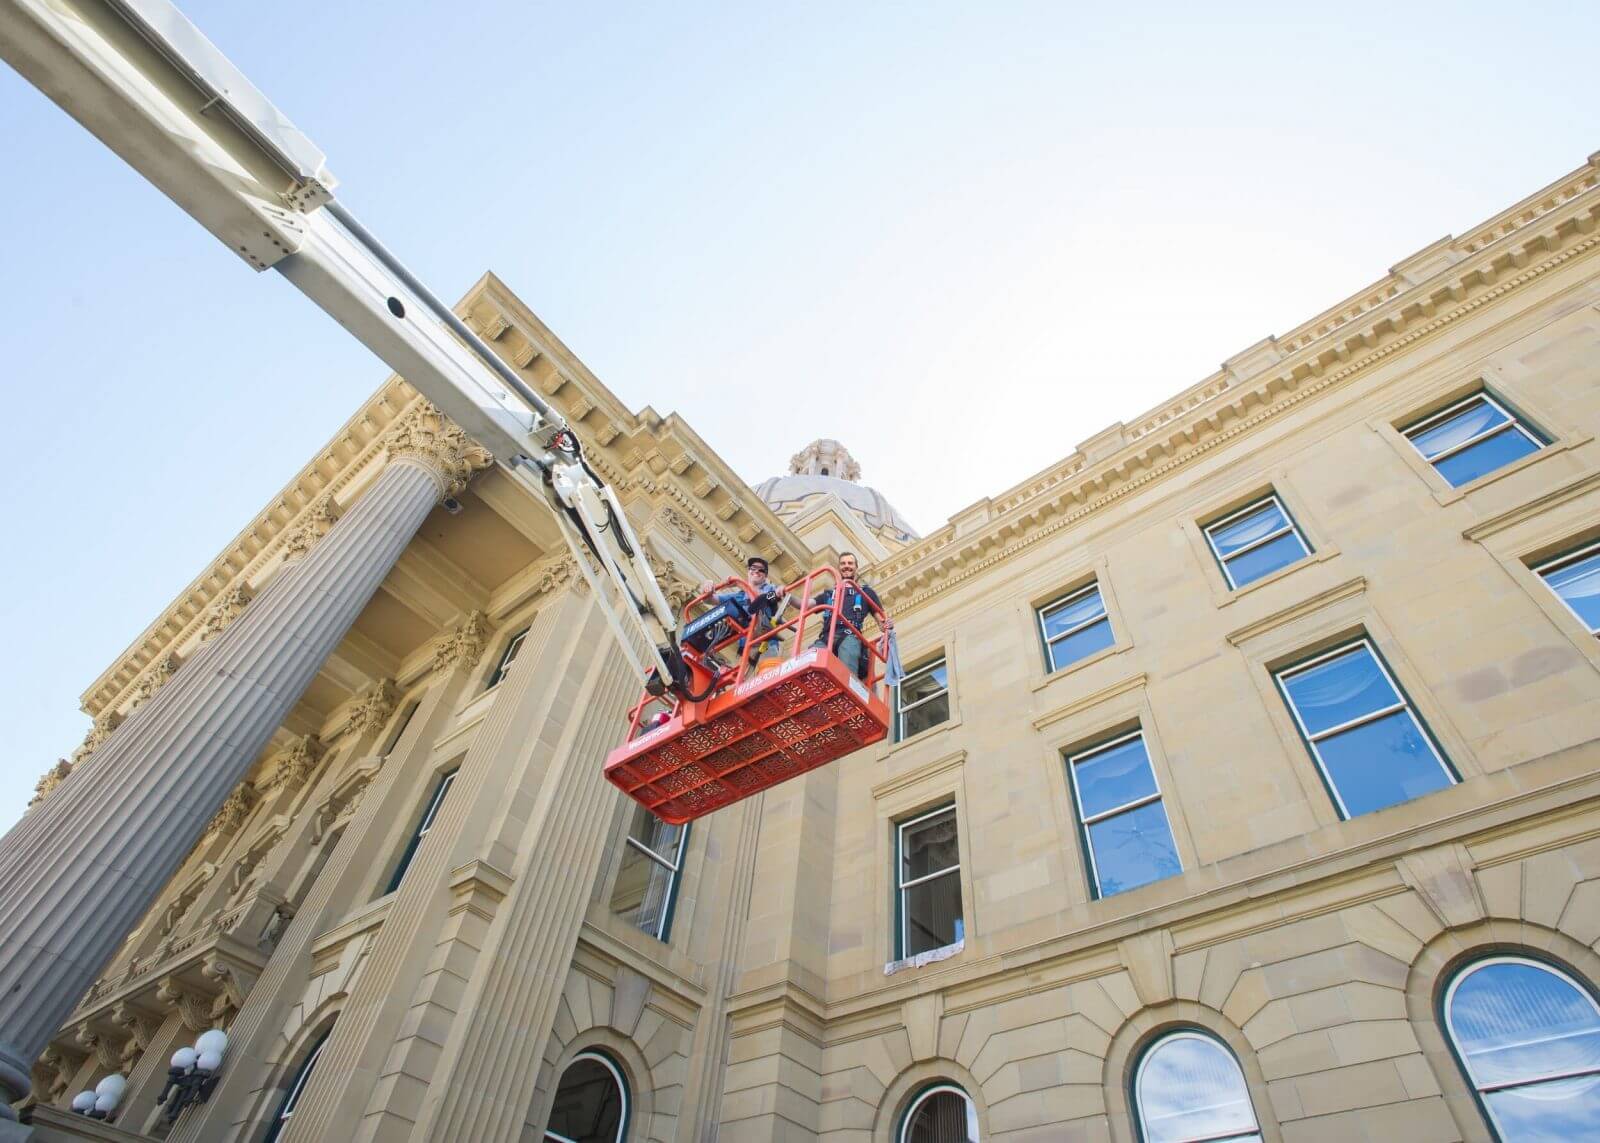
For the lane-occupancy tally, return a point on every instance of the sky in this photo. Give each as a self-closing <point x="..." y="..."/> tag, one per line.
<point x="961" y="238"/>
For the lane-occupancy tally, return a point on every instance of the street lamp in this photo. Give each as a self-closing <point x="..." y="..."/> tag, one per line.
<point x="102" y="1102"/>
<point x="193" y="1074"/>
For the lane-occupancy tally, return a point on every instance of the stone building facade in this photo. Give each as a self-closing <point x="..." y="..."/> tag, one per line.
<point x="1244" y="750"/>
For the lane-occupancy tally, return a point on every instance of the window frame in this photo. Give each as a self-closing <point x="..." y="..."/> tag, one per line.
<point x="900" y="885"/>
<point x="1292" y="528"/>
<point x="1556" y="563"/>
<point x="674" y="871"/>
<point x="507" y="657"/>
<point x="1189" y="1032"/>
<point x="931" y="665"/>
<point x="1442" y="1014"/>
<point x="1406" y="704"/>
<point x="1048" y="641"/>
<point x="292" y="1093"/>
<point x="441" y="788"/>
<point x="617" y="1075"/>
<point x="1515" y="421"/>
<point x="923" y="1094"/>
<point x="1100" y="746"/>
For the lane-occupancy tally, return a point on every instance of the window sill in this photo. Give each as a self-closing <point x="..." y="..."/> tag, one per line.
<point x="924" y="958"/>
<point x="1040" y="682"/>
<point x="1555" y="448"/>
<point x="889" y="748"/>
<point x="1321" y="555"/>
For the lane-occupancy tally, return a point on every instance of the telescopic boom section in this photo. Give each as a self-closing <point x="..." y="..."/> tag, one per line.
<point x="145" y="81"/>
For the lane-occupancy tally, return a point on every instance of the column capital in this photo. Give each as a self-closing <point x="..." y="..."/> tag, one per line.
<point x="296" y="764"/>
<point x="464" y="645"/>
<point x="374" y="707"/>
<point x="428" y="437"/>
<point x="98" y="733"/>
<point x="52" y="778"/>
<point x="155" y="678"/>
<point x="223" y="612"/>
<point x="234" y="810"/>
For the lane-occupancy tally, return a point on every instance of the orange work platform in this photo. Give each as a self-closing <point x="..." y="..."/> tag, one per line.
<point x="801" y="710"/>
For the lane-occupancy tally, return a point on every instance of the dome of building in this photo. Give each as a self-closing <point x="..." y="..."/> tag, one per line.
<point x="825" y="467"/>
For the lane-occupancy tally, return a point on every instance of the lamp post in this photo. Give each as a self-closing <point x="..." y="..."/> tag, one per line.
<point x="101" y="1103"/>
<point x="193" y="1074"/>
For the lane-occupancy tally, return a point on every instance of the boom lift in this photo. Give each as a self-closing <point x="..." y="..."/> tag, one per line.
<point x="150" y="86"/>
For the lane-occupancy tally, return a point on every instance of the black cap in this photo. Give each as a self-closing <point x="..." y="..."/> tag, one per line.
<point x="754" y="560"/>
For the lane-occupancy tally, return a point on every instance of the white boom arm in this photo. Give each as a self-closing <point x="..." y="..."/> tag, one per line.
<point x="144" y="80"/>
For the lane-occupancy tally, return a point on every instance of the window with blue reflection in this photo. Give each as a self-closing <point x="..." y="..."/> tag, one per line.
<point x="1472" y="438"/>
<point x="1256" y="541"/>
<point x="1528" y="1037"/>
<point x="1368" y="742"/>
<point x="1575" y="578"/>
<point x="1189" y="1088"/>
<point x="1075" y="627"/>
<point x="1125" y="829"/>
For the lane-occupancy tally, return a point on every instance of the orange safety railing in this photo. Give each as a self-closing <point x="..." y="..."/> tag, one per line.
<point x="762" y="631"/>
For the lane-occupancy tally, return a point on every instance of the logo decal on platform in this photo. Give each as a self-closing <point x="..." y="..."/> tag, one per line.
<point x="809" y="659"/>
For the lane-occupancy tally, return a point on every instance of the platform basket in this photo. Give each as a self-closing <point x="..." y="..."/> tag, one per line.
<point x="808" y="712"/>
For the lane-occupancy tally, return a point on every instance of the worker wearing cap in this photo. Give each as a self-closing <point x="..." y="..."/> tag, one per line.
<point x="756" y="612"/>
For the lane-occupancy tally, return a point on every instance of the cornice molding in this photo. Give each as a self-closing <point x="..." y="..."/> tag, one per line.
<point x="1200" y="420"/>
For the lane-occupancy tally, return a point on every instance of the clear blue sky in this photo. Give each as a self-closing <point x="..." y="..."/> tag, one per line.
<point x="996" y="227"/>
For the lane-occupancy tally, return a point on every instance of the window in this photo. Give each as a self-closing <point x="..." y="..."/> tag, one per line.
<point x="928" y="877"/>
<point x="1125" y="830"/>
<point x="591" y="1104"/>
<point x="940" y="1114"/>
<point x="1074" y="627"/>
<point x="1189" y="1088"/>
<point x="1575" y="578"/>
<point x="1528" y="1037"/>
<point x="1368" y="743"/>
<point x="923" y="700"/>
<point x="423" y="826"/>
<point x="647" y="883"/>
<point x="1472" y="438"/>
<point x="507" y="657"/>
<point x="1255" y="541"/>
<point x="297" y="1087"/>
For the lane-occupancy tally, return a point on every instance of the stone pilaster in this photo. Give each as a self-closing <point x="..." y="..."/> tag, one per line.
<point x="380" y="1060"/>
<point x="256" y="1041"/>
<point x="81" y="870"/>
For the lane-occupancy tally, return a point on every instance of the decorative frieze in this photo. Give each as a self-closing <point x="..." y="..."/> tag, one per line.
<point x="464" y="645"/>
<point x="154" y="678"/>
<point x="427" y="435"/>
<point x="673" y="521"/>
<point x="313" y="524"/>
<point x="224" y="612"/>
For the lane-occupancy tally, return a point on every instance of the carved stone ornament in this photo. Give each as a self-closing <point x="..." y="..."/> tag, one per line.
<point x="673" y="521"/>
<point x="464" y="645"/>
<point x="154" y="679"/>
<point x="427" y="435"/>
<point x="98" y="733"/>
<point x="224" y="612"/>
<point x="233" y="812"/>
<point x="296" y="764"/>
<point x="194" y="1007"/>
<point x="313" y="524"/>
<point x="374" y="707"/>
<point x="558" y="574"/>
<point x="52" y="778"/>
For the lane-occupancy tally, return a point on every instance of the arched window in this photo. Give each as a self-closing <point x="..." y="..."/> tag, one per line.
<point x="297" y="1087"/>
<point x="941" y="1113"/>
<point x="1528" y="1037"/>
<point x="1189" y="1087"/>
<point x="591" y="1104"/>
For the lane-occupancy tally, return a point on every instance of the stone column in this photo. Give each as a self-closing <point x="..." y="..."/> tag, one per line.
<point x="96" y="854"/>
